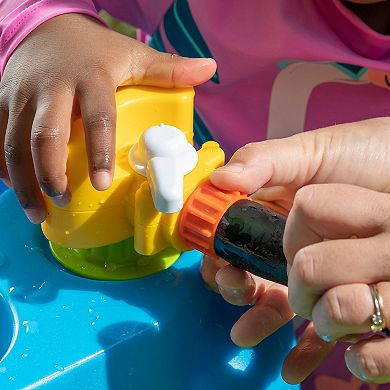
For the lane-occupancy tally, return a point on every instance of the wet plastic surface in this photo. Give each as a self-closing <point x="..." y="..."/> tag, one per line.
<point x="250" y="237"/>
<point x="167" y="331"/>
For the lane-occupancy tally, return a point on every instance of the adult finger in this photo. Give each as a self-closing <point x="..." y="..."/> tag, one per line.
<point x="322" y="266"/>
<point x="269" y="313"/>
<point x="348" y="309"/>
<point x="239" y="287"/>
<point x="306" y="356"/>
<point x="369" y="359"/>
<point x="325" y="211"/>
<point x="209" y="269"/>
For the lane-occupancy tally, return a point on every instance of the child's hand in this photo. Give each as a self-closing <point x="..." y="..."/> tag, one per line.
<point x="73" y="64"/>
<point x="357" y="154"/>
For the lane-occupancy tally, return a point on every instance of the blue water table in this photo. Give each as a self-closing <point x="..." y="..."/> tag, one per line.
<point x="107" y="294"/>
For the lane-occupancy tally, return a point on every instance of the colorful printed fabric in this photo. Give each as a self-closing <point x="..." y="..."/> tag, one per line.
<point x="284" y="66"/>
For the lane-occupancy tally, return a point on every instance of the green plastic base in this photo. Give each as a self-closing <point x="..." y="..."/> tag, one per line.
<point x="113" y="262"/>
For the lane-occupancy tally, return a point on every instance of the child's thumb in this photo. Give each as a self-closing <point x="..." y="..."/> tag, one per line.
<point x="292" y="161"/>
<point x="169" y="70"/>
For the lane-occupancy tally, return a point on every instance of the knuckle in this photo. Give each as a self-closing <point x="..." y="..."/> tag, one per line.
<point x="21" y="94"/>
<point x="334" y="307"/>
<point x="304" y="267"/>
<point x="277" y="315"/>
<point x="45" y="136"/>
<point x="13" y="154"/>
<point x="101" y="160"/>
<point x="98" y="121"/>
<point x="304" y="199"/>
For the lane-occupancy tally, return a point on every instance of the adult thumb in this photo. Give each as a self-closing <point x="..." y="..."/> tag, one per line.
<point x="292" y="161"/>
<point x="355" y="153"/>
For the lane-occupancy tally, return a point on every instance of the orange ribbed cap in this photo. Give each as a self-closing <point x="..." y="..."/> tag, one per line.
<point x="202" y="214"/>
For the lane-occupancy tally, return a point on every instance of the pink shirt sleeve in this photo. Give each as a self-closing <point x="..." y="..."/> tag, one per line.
<point x="19" y="17"/>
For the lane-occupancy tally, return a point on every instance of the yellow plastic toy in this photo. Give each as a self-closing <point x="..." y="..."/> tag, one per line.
<point x="119" y="234"/>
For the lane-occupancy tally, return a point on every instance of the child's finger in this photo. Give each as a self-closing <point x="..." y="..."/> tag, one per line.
<point x="306" y="356"/>
<point x="49" y="144"/>
<point x="270" y="312"/>
<point x="3" y="126"/>
<point x="209" y="269"/>
<point x="20" y="166"/>
<point x="369" y="359"/>
<point x="239" y="287"/>
<point x="166" y="70"/>
<point x="97" y="105"/>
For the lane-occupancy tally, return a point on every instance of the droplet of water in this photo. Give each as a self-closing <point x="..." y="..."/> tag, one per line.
<point x="31" y="326"/>
<point x="58" y="367"/>
<point x="18" y="292"/>
<point x="3" y="370"/>
<point x="30" y="293"/>
<point x="37" y="249"/>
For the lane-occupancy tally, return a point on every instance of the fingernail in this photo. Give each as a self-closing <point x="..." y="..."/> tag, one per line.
<point x="35" y="216"/>
<point x="231" y="168"/>
<point x="63" y="199"/>
<point x="206" y="61"/>
<point x="102" y="180"/>
<point x="354" y="365"/>
<point x="234" y="295"/>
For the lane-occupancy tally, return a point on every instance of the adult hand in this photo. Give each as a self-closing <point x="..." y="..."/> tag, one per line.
<point x="295" y="173"/>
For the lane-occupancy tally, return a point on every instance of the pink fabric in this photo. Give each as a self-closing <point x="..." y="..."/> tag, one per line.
<point x="357" y="35"/>
<point x="284" y="66"/>
<point x="18" y="18"/>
